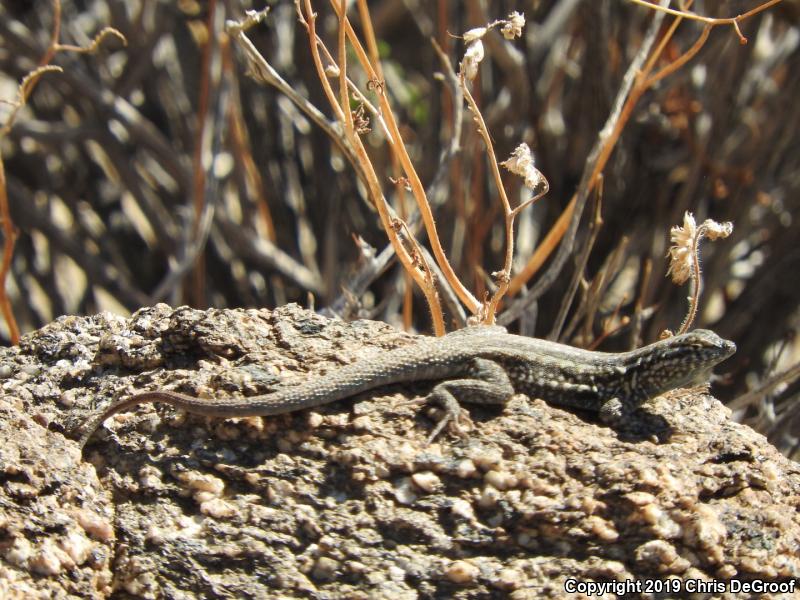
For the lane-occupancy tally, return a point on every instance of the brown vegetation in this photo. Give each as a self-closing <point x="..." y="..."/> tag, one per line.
<point x="217" y="170"/>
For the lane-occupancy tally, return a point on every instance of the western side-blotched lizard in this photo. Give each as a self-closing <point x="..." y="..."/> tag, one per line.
<point x="484" y="365"/>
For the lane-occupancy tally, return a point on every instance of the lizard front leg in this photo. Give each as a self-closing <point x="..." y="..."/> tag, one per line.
<point x="616" y="411"/>
<point x="487" y="383"/>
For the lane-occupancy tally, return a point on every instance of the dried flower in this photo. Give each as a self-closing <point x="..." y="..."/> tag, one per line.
<point x="512" y="28"/>
<point x="360" y="120"/>
<point x="716" y="230"/>
<point x="682" y="250"/>
<point x="472" y="58"/>
<point x="684" y="257"/>
<point x="521" y="163"/>
<point x="685" y="240"/>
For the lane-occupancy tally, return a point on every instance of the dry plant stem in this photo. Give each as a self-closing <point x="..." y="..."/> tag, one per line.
<point x="428" y="283"/>
<point x="201" y="148"/>
<point x="163" y="222"/>
<point x="580" y="265"/>
<point x="359" y="283"/>
<point x="697" y="281"/>
<point x="351" y="85"/>
<point x="369" y="36"/>
<point x="711" y="21"/>
<point x="54" y="36"/>
<point x="244" y="154"/>
<point x="678" y="62"/>
<point x="592" y="301"/>
<point x="26" y="87"/>
<point x="503" y="279"/>
<point x="449" y="298"/>
<point x="681" y="60"/>
<point x="593" y="292"/>
<point x="608" y="333"/>
<point x="767" y="415"/>
<point x="609" y="271"/>
<point x="397" y="145"/>
<point x="9" y="230"/>
<point x="55" y="46"/>
<point x="9" y="237"/>
<point x="261" y="68"/>
<point x="665" y="40"/>
<point x="344" y="99"/>
<point x="608" y="138"/>
<point x="372" y="48"/>
<point x="638" y="310"/>
<point x="24" y="90"/>
<point x="626" y="99"/>
<point x="509" y="215"/>
<point x="422" y="279"/>
<point x="753" y="396"/>
<point x="95" y="43"/>
<point x="457" y="112"/>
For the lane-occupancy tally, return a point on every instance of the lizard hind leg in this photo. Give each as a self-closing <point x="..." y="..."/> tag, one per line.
<point x="486" y="383"/>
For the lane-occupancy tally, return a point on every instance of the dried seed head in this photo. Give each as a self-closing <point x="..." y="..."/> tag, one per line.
<point x="682" y="250"/>
<point x="360" y="120"/>
<point x="512" y="27"/>
<point x="714" y="230"/>
<point x="685" y="239"/>
<point x="521" y="163"/>
<point x="472" y="58"/>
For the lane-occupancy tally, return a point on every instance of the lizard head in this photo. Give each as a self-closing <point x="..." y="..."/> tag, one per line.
<point x="679" y="361"/>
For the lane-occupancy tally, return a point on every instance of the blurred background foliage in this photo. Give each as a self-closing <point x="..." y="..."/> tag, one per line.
<point x="159" y="171"/>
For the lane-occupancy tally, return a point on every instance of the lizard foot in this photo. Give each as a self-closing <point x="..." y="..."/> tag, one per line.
<point x="454" y="414"/>
<point x="460" y="424"/>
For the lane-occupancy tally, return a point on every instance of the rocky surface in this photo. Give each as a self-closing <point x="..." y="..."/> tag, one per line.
<point x="347" y="501"/>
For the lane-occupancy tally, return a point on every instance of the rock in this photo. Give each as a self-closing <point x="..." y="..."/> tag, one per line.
<point x="347" y="501"/>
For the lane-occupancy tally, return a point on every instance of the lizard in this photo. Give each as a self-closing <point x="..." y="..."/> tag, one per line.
<point x="482" y="365"/>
